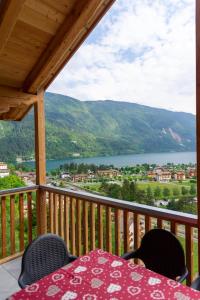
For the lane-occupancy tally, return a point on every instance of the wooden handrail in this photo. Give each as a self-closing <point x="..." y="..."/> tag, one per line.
<point x="19" y="190"/>
<point x="164" y="214"/>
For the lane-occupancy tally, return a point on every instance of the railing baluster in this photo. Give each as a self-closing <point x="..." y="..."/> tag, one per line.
<point x="51" y="211"/>
<point x="117" y="231"/>
<point x="159" y="223"/>
<point x="61" y="230"/>
<point x="3" y="225"/>
<point x="12" y="224"/>
<point x="29" y="206"/>
<point x="92" y="226"/>
<point x="126" y="231"/>
<point x="147" y="223"/>
<point x="189" y="252"/>
<point x="100" y="226"/>
<point x="173" y="227"/>
<point x="78" y="227"/>
<point x="108" y="229"/>
<point x="72" y="226"/>
<point x="85" y="227"/>
<point x="55" y="216"/>
<point x="66" y="220"/>
<point x="21" y="222"/>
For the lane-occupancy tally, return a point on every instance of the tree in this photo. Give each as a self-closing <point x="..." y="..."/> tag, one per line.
<point x="133" y="190"/>
<point x="193" y="190"/>
<point x="176" y="191"/>
<point x="184" y="190"/>
<point x="149" y="200"/>
<point x="166" y="192"/>
<point x="157" y="192"/>
<point x="126" y="190"/>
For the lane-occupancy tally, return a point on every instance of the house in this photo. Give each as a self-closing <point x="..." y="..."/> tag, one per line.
<point x="163" y="176"/>
<point x="80" y="177"/>
<point x="108" y="173"/>
<point x="179" y="175"/>
<point x="4" y="171"/>
<point x="192" y="172"/>
<point x="65" y="176"/>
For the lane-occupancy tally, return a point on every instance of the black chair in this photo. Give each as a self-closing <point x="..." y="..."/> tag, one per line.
<point x="161" y="252"/>
<point x="196" y="284"/>
<point x="43" y="256"/>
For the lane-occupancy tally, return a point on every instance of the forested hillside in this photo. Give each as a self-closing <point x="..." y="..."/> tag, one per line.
<point x="93" y="128"/>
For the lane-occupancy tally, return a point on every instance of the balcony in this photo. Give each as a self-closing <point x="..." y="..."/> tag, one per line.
<point x="85" y="222"/>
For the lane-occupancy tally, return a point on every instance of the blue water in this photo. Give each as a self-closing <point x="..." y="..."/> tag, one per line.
<point x="127" y="160"/>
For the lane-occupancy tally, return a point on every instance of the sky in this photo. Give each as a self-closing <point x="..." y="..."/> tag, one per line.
<point x="142" y="51"/>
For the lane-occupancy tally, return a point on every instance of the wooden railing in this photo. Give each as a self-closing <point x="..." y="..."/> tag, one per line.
<point x="18" y="225"/>
<point x="87" y="221"/>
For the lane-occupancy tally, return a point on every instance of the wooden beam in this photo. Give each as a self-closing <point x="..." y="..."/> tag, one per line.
<point x="40" y="153"/>
<point x="14" y="97"/>
<point x="15" y="104"/>
<point x="198" y="118"/>
<point x="75" y="28"/>
<point x="9" y="12"/>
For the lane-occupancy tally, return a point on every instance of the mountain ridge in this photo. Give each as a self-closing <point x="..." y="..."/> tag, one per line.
<point x="102" y="127"/>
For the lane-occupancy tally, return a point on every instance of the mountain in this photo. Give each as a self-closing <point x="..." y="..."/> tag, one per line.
<point x="91" y="128"/>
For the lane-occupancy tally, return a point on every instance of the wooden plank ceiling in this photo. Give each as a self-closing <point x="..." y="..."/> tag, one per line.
<point x="37" y="38"/>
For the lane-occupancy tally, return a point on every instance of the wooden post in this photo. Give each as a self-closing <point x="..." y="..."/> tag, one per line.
<point x="198" y="118"/>
<point x="40" y="160"/>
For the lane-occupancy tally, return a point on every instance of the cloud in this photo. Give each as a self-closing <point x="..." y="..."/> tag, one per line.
<point x="142" y="51"/>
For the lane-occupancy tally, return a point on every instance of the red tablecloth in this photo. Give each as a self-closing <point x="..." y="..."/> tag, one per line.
<point x="100" y="276"/>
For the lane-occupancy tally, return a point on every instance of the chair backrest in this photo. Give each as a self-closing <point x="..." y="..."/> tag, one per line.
<point x="162" y="252"/>
<point x="44" y="255"/>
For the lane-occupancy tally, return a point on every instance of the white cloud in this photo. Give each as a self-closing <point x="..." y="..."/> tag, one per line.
<point x="142" y="51"/>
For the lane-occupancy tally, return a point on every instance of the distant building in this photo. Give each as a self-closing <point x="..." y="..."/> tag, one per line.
<point x="179" y="175"/>
<point x="108" y="173"/>
<point x="80" y="177"/>
<point x="192" y="172"/>
<point x="4" y="171"/>
<point x="164" y="176"/>
<point x="28" y="177"/>
<point x="65" y="176"/>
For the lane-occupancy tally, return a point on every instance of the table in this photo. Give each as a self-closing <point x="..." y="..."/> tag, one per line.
<point x="101" y="275"/>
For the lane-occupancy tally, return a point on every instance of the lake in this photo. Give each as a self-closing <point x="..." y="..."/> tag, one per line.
<point x="127" y="160"/>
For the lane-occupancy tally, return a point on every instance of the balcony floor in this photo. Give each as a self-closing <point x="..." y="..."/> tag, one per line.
<point x="9" y="273"/>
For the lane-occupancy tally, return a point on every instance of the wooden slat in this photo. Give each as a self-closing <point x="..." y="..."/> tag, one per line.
<point x="85" y="227"/>
<point x="51" y="212"/>
<point x="100" y="226"/>
<point x="12" y="224"/>
<point x="73" y="30"/>
<point x="3" y="225"/>
<point x="9" y="13"/>
<point x="66" y="220"/>
<point x="55" y="213"/>
<point x="173" y="227"/>
<point x="117" y="231"/>
<point x="136" y="231"/>
<point x="43" y="211"/>
<point x="78" y="227"/>
<point x="29" y="205"/>
<point x="126" y="231"/>
<point x="189" y="253"/>
<point x="108" y="229"/>
<point x="72" y="226"/>
<point x="147" y="223"/>
<point x="61" y="229"/>
<point x="21" y="222"/>
<point x="159" y="223"/>
<point x="92" y="226"/>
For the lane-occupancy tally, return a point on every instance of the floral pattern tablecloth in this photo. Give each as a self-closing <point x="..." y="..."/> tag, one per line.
<point x="100" y="276"/>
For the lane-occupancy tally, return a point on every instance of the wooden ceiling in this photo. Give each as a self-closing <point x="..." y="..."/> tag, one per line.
<point x="37" y="38"/>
